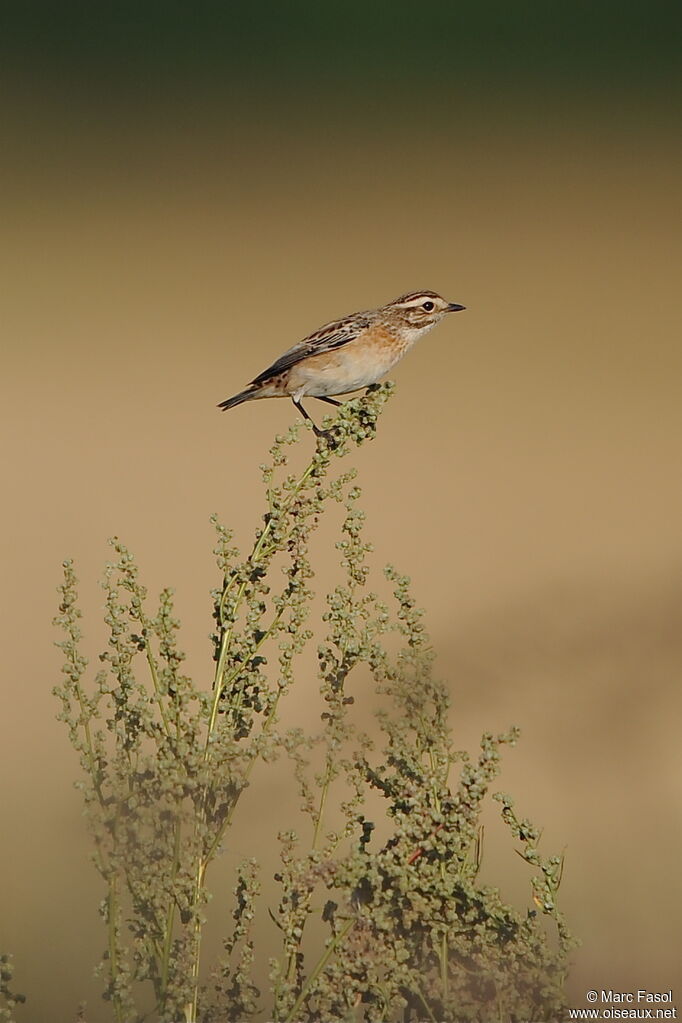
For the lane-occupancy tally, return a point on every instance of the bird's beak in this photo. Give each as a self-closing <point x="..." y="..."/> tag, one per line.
<point x="454" y="308"/>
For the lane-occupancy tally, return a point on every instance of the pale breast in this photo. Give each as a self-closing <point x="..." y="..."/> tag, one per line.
<point x="358" y="364"/>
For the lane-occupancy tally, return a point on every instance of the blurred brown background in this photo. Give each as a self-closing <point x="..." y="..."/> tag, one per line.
<point x="174" y="216"/>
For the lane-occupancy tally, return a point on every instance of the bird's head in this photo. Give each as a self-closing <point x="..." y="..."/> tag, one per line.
<point x="421" y="310"/>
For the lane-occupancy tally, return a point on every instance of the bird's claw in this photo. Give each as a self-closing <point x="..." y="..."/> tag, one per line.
<point x="331" y="437"/>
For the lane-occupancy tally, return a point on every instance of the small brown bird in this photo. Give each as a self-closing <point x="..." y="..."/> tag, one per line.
<point x="349" y="353"/>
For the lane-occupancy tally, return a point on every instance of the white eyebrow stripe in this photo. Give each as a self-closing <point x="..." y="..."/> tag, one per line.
<point x="414" y="298"/>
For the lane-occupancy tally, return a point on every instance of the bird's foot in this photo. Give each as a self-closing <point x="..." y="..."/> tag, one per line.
<point x="331" y="437"/>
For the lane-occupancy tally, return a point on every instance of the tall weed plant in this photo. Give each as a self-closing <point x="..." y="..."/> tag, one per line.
<point x="385" y="850"/>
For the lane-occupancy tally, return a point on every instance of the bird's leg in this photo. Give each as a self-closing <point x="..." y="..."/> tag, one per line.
<point x="328" y="435"/>
<point x="330" y="401"/>
<point x="318" y="431"/>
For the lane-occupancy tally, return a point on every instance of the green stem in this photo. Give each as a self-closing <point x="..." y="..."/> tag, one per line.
<point x="247" y="775"/>
<point x="170" y="920"/>
<point x="254" y="558"/>
<point x="319" y="967"/>
<point x="153" y="670"/>
<point x="112" y="908"/>
<point x="191" y="1007"/>
<point x="443" y="951"/>
<point x="259" y="551"/>
<point x="90" y="748"/>
<point x="328" y="767"/>
<point x="444" y="964"/>
<point x="323" y="800"/>
<point x="112" y="911"/>
<point x="424" y="1002"/>
<point x="235" y="674"/>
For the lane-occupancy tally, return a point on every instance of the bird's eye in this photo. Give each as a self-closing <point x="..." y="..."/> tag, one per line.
<point x="428" y="306"/>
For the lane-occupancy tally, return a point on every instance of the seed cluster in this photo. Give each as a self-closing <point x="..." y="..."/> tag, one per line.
<point x="8" y="998"/>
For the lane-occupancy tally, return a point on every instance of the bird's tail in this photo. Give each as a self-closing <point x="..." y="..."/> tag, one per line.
<point x="245" y="395"/>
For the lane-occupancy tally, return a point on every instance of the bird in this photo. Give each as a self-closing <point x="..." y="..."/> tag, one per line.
<point x="348" y="354"/>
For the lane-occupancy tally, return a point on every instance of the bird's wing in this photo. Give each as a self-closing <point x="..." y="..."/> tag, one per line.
<point x="326" y="339"/>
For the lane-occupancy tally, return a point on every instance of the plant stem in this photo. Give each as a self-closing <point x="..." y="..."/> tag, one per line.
<point x="112" y="910"/>
<point x="219" y="684"/>
<point x="444" y="964"/>
<point x="254" y="557"/>
<point x="266" y="635"/>
<point x="170" y="919"/>
<point x="153" y="670"/>
<point x="191" y="1007"/>
<point x="323" y="801"/>
<point x="424" y="1002"/>
<point x="320" y="965"/>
